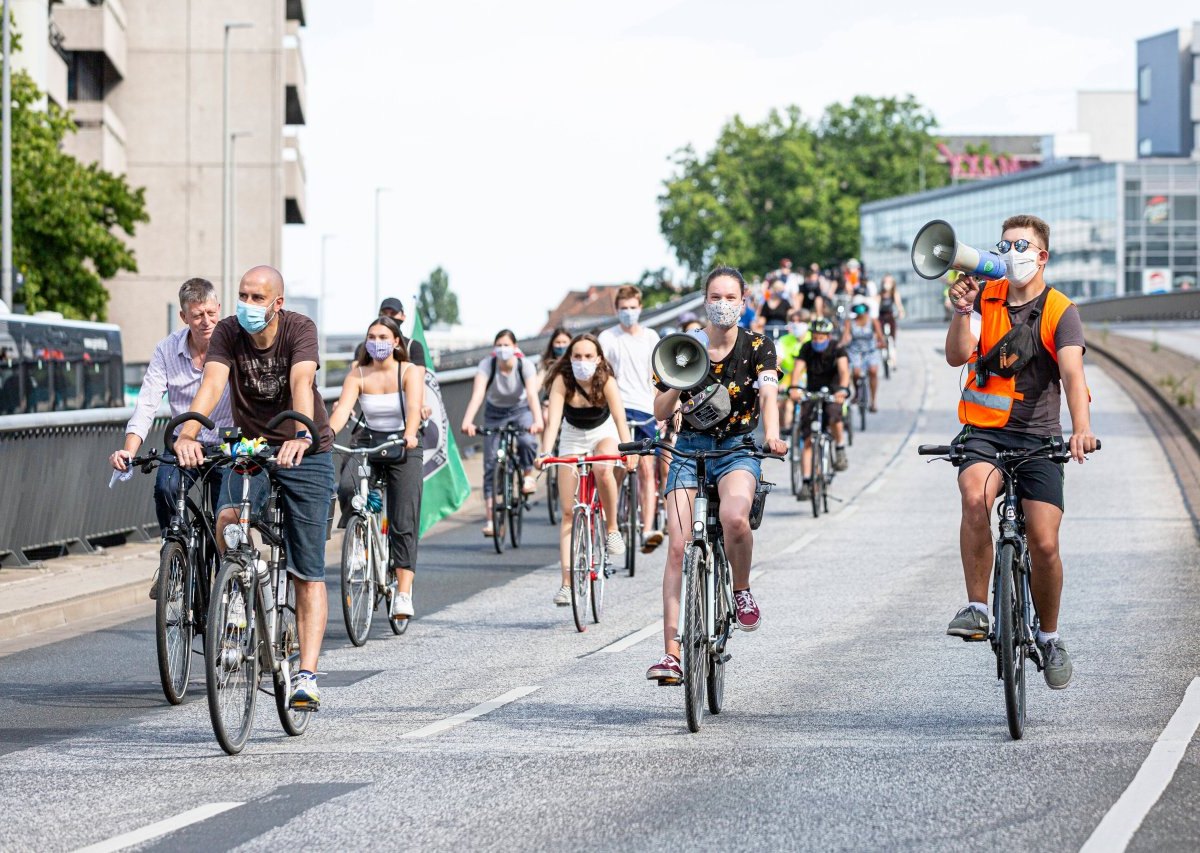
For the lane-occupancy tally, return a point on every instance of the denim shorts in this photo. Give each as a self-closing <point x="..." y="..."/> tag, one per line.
<point x="682" y="473"/>
<point x="644" y="431"/>
<point x="307" y="491"/>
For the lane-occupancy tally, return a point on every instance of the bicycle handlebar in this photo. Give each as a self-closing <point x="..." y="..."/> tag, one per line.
<point x="387" y="445"/>
<point x="581" y="460"/>
<point x="647" y="446"/>
<point x="513" y="428"/>
<point x="180" y="420"/>
<point x="957" y="452"/>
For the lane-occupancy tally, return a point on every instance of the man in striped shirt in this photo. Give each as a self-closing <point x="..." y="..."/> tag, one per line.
<point x="176" y="369"/>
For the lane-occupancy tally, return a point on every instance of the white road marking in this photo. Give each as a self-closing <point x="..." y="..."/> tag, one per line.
<point x="162" y="827"/>
<point x="875" y="486"/>
<point x="848" y="511"/>
<point x="1117" y="828"/>
<point x="471" y="713"/>
<point x="803" y="542"/>
<point x="633" y="639"/>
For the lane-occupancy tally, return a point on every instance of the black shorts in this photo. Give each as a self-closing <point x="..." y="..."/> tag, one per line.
<point x="1038" y="480"/>
<point x="808" y="411"/>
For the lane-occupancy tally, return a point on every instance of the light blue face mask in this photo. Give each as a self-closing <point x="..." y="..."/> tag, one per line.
<point x="252" y="318"/>
<point x="820" y="346"/>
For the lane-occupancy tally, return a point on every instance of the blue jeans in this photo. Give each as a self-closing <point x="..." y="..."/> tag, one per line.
<point x="166" y="490"/>
<point x="682" y="473"/>
<point x="495" y="417"/>
<point x="306" y="491"/>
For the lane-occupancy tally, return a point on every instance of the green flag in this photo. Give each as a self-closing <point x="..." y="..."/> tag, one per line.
<point x="446" y="485"/>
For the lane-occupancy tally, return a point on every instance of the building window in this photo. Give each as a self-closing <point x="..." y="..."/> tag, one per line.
<point x="1145" y="147"/>
<point x="1144" y="84"/>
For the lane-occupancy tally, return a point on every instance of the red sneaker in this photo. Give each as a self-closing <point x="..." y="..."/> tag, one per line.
<point x="666" y="669"/>
<point x="748" y="615"/>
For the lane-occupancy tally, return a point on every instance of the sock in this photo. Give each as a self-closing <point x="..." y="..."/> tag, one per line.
<point x="808" y="481"/>
<point x="304" y="673"/>
<point x="1043" y="637"/>
<point x="841" y="447"/>
<point x="981" y="606"/>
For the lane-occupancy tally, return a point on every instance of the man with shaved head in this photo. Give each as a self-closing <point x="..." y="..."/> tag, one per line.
<point x="268" y="357"/>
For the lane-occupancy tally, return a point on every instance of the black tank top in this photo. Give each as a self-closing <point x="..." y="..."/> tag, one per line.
<point x="585" y="417"/>
<point x="778" y="314"/>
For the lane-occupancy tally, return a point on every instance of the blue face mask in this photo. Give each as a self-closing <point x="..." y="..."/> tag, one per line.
<point x="820" y="346"/>
<point x="252" y="318"/>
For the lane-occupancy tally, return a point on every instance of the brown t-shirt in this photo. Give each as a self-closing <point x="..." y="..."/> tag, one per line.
<point x="1040" y="413"/>
<point x="260" y="379"/>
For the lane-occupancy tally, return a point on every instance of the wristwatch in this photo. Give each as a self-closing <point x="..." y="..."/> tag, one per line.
<point x="302" y="435"/>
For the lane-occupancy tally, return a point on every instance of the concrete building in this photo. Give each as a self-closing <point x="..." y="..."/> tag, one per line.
<point x="1168" y="93"/>
<point x="143" y="79"/>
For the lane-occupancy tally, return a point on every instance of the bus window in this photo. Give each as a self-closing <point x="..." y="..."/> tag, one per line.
<point x="11" y="402"/>
<point x="95" y="385"/>
<point x="37" y="375"/>
<point x="68" y="386"/>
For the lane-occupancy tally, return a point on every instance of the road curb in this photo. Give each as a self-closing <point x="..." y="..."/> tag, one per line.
<point x="22" y="623"/>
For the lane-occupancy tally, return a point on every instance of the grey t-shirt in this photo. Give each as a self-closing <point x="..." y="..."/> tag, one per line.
<point x="1040" y="413"/>
<point x="508" y="389"/>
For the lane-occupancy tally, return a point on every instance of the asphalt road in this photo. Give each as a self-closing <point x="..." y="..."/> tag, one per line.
<point x="851" y="721"/>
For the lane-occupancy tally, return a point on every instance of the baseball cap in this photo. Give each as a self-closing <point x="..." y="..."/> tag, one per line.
<point x="391" y="304"/>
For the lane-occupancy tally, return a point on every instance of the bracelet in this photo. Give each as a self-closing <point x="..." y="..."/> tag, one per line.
<point x="967" y="313"/>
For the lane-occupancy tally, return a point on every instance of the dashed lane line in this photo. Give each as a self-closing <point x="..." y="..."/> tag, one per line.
<point x="801" y="543"/>
<point x="632" y="639"/>
<point x="1118" y="826"/>
<point x="471" y="713"/>
<point x="160" y="828"/>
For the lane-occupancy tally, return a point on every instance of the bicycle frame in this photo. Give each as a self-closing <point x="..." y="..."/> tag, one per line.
<point x="587" y="494"/>
<point x="707" y="535"/>
<point x="1011" y="531"/>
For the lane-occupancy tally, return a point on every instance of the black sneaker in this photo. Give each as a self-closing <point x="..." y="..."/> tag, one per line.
<point x="805" y="492"/>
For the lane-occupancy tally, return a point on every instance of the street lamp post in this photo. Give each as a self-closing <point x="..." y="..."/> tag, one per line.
<point x="6" y="251"/>
<point x="322" y="332"/>
<point x="378" y="295"/>
<point x="233" y="138"/>
<point x="227" y="290"/>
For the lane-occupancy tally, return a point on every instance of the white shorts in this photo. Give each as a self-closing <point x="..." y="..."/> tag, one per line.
<point x="573" y="441"/>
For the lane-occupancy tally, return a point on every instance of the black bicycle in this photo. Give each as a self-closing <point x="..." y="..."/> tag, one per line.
<point x="706" y="615"/>
<point x="1014" y="623"/>
<point x="629" y="508"/>
<point x="821" y="467"/>
<point x="508" y="500"/>
<point x="187" y="562"/>
<point x="862" y="397"/>
<point x="252" y="617"/>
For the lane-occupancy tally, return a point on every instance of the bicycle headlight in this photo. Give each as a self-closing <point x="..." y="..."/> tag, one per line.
<point x="358" y="502"/>
<point x="233" y="536"/>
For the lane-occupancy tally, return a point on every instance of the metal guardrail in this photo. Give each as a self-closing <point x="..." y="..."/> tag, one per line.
<point x="1177" y="305"/>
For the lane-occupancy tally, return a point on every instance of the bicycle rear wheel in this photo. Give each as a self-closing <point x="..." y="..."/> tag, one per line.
<point x="694" y="642"/>
<point x="796" y="456"/>
<point x="580" y="568"/>
<point x="287" y="647"/>
<point x="627" y="512"/>
<point x="515" y="500"/>
<point x="599" y="566"/>
<point x="172" y="622"/>
<point x="552" y="494"/>
<point x="231" y="656"/>
<point x="817" y="486"/>
<point x="358" y="589"/>
<point x="864" y="401"/>
<point x="716" y="663"/>
<point x="1007" y="610"/>
<point x="499" y="509"/>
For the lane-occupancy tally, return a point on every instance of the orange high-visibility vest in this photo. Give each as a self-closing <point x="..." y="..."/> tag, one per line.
<point x="989" y="406"/>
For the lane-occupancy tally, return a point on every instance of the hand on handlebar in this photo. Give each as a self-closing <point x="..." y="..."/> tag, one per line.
<point x="775" y="446"/>
<point x="840" y="396"/>
<point x="1082" y="443"/>
<point x="631" y="462"/>
<point x="189" y="453"/>
<point x="469" y="428"/>
<point x="291" y="452"/>
<point x="120" y="460"/>
<point x="539" y="461"/>
<point x="536" y="429"/>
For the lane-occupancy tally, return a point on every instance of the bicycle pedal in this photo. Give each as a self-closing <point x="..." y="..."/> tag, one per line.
<point x="725" y="658"/>
<point x="670" y="682"/>
<point x="975" y="638"/>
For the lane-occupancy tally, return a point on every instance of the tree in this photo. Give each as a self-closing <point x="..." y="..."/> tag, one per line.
<point x="436" y="302"/>
<point x="788" y="188"/>
<point x="66" y="214"/>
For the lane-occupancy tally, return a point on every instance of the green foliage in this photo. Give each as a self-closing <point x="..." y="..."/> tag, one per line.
<point x="436" y="302"/>
<point x="66" y="214"/>
<point x="656" y="287"/>
<point x="791" y="188"/>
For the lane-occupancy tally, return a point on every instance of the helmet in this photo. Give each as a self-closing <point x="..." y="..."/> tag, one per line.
<point x="823" y="326"/>
<point x="860" y="308"/>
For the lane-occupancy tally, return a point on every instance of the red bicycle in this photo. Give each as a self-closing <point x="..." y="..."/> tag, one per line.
<point x="589" y="557"/>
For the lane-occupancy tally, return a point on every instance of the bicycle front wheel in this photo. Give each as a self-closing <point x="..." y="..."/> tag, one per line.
<point x="552" y="494"/>
<point x="358" y="593"/>
<point x="581" y="568"/>
<point x="694" y="641"/>
<point x="498" y="508"/>
<point x="1007" y="610"/>
<point x="287" y="649"/>
<point x="231" y="656"/>
<point x="516" y="506"/>
<point x="629" y="520"/>
<point x="818" y="475"/>
<point x="716" y="663"/>
<point x="172" y="622"/>
<point x="599" y="566"/>
<point x="796" y="456"/>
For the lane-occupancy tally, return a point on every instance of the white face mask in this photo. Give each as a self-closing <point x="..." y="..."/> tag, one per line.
<point x="1022" y="266"/>
<point x="723" y="313"/>
<point x="629" y="316"/>
<point x="583" y="370"/>
<point x="799" y="330"/>
<point x="505" y="353"/>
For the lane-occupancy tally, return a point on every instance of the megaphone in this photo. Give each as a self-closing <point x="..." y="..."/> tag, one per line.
<point x="681" y="361"/>
<point x="936" y="251"/>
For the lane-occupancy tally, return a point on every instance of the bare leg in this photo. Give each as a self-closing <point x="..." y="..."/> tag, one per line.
<point x="404" y="579"/>
<point x="647" y="490"/>
<point x="606" y="482"/>
<point x="979" y="485"/>
<point x="312" y="610"/>
<point x="737" y="493"/>
<point x="567" y="479"/>
<point x="1042" y="521"/>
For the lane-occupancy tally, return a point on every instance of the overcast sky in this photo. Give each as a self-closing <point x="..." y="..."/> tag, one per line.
<point x="525" y="143"/>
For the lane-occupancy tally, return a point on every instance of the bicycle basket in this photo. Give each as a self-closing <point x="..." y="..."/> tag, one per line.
<point x="760" y="501"/>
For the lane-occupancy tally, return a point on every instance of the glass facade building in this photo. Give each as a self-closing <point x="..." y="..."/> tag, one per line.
<point x="1115" y="228"/>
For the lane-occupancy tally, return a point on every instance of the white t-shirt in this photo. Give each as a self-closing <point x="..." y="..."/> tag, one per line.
<point x="629" y="356"/>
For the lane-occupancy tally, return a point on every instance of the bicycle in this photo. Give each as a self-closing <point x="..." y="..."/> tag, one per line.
<point x="589" y="553"/>
<point x="821" y="469"/>
<point x="252" y="618"/>
<point x="862" y="397"/>
<point x="706" y="613"/>
<point x="629" y="507"/>
<point x="187" y="562"/>
<point x="365" y="582"/>
<point x="508" y="500"/>
<point x="1015" y="623"/>
<point x="552" y="495"/>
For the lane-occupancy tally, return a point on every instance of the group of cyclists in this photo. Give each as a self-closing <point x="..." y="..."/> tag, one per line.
<point x="588" y="395"/>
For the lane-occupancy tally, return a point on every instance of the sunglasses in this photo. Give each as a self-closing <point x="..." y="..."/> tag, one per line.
<point x="1020" y="245"/>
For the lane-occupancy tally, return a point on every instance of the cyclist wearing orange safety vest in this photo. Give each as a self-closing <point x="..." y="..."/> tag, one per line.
<point x="1017" y="324"/>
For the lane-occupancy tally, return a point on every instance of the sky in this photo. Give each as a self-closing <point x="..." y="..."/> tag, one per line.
<point x="523" y="145"/>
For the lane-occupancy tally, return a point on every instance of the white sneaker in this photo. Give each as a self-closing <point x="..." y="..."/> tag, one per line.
<point x="616" y="544"/>
<point x="528" y="485"/>
<point x="402" y="606"/>
<point x="563" y="597"/>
